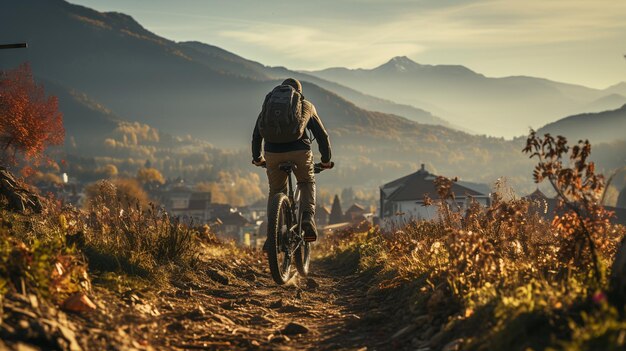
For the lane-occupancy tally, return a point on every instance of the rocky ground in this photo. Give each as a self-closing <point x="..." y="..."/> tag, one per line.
<point x="231" y="304"/>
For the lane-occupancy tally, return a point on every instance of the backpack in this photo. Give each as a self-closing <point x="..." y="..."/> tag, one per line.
<point x="282" y="119"/>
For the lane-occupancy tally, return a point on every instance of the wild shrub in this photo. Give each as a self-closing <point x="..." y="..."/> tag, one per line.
<point x="125" y="191"/>
<point x="582" y="226"/>
<point x="508" y="264"/>
<point x="510" y="242"/>
<point x="120" y="235"/>
<point x="486" y="249"/>
<point x="35" y="258"/>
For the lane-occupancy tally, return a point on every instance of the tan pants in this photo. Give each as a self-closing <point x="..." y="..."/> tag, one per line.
<point x="304" y="175"/>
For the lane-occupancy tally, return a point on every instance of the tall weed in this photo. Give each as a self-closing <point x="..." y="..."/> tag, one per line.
<point x="120" y="235"/>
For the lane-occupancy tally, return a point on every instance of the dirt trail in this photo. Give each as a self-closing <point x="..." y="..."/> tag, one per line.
<point x="238" y="306"/>
<point x="255" y="313"/>
<point x="230" y="303"/>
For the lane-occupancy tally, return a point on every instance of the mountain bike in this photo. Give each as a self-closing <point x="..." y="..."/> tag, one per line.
<point x="285" y="237"/>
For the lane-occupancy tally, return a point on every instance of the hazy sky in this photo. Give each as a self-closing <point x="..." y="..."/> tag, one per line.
<point x="578" y="41"/>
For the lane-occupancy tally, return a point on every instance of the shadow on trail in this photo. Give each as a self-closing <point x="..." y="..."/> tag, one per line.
<point x="359" y="326"/>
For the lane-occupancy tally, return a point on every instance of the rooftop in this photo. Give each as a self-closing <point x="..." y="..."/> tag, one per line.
<point x="355" y="208"/>
<point x="414" y="186"/>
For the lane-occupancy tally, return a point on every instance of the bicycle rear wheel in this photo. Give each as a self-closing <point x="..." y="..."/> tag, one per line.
<point x="279" y="221"/>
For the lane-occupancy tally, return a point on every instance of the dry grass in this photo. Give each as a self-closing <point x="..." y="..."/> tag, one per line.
<point x="49" y="254"/>
<point x="495" y="278"/>
<point x="503" y="277"/>
<point x="117" y="235"/>
<point x="35" y="259"/>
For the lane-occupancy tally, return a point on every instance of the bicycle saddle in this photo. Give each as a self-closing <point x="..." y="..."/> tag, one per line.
<point x="287" y="166"/>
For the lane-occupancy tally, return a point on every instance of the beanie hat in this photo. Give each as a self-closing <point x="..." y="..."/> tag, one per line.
<point x="294" y="83"/>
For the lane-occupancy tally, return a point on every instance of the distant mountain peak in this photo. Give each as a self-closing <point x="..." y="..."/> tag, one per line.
<point x="402" y="60"/>
<point x="400" y="63"/>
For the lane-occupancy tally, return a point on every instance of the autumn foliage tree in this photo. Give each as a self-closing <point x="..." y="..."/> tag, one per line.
<point x="233" y="188"/>
<point x="148" y="175"/>
<point x="30" y="121"/>
<point x="120" y="192"/>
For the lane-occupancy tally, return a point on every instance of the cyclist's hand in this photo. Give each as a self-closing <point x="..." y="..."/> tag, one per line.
<point x="327" y="165"/>
<point x="259" y="163"/>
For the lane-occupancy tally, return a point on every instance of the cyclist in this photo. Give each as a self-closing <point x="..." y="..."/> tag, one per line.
<point x="280" y="148"/>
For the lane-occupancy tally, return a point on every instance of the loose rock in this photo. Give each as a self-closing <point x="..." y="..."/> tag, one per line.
<point x="218" y="276"/>
<point x="312" y="284"/>
<point x="279" y="339"/>
<point x="197" y="313"/>
<point x="176" y="327"/>
<point x="277" y="304"/>
<point x="78" y="303"/>
<point x="295" y="329"/>
<point x="453" y="345"/>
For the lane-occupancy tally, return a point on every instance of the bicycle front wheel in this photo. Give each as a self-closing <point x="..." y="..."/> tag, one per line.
<point x="279" y="222"/>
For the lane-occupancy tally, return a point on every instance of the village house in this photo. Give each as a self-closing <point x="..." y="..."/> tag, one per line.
<point x="234" y="226"/>
<point x="181" y="201"/>
<point x="199" y="208"/>
<point x="356" y="214"/>
<point x="256" y="211"/>
<point x="402" y="200"/>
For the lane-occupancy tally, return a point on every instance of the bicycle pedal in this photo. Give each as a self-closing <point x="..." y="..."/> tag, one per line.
<point x="310" y="239"/>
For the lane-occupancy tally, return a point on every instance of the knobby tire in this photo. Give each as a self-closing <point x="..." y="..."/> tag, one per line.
<point x="279" y="214"/>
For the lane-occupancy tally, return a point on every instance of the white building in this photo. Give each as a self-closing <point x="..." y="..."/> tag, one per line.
<point x="402" y="200"/>
<point x="181" y="201"/>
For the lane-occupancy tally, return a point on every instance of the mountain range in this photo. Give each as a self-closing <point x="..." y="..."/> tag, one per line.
<point x="217" y="57"/>
<point x="106" y="68"/>
<point x="505" y="106"/>
<point x="599" y="127"/>
<point x="147" y="78"/>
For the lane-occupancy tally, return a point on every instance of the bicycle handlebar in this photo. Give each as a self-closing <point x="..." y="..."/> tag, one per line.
<point x="13" y="46"/>
<point x="318" y="168"/>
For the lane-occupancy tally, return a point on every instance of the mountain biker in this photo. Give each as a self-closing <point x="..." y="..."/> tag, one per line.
<point x="298" y="152"/>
